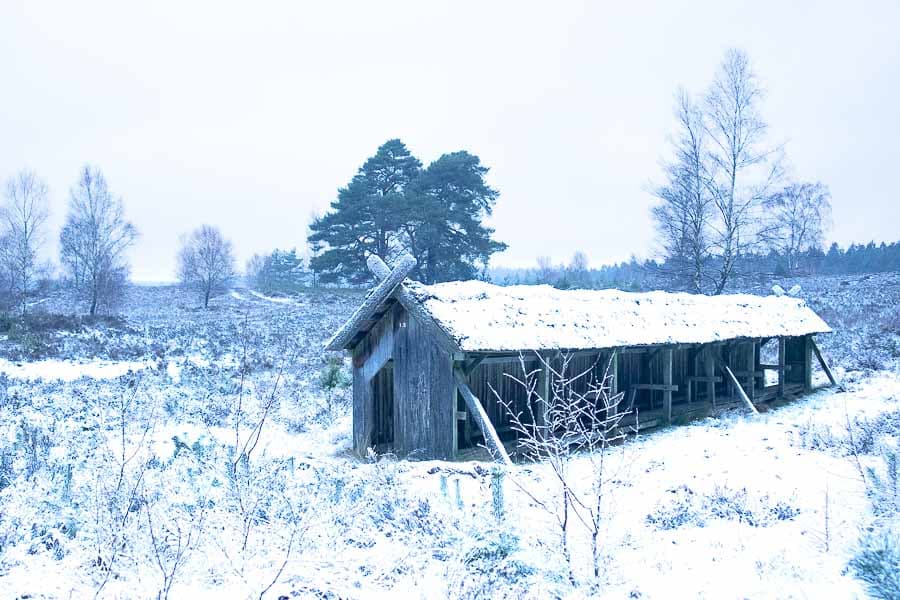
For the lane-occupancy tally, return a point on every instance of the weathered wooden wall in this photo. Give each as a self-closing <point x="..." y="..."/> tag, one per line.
<point x="424" y="392"/>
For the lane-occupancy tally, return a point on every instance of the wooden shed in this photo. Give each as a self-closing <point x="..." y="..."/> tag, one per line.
<point x="430" y="361"/>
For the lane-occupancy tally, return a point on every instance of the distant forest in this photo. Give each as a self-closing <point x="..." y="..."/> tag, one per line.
<point x="645" y="275"/>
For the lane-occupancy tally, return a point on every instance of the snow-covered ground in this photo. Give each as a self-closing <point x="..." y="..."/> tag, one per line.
<point x="126" y="475"/>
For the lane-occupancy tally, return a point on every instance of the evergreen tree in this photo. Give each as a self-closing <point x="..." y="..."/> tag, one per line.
<point x="365" y="216"/>
<point x="392" y="204"/>
<point x="443" y="214"/>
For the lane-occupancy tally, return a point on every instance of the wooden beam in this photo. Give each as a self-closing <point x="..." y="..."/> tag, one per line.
<point x="824" y="365"/>
<point x="491" y="439"/>
<point x="782" y="366"/>
<point x="655" y="387"/>
<point x="710" y="377"/>
<point x="737" y="386"/>
<point x="807" y="363"/>
<point x="373" y="301"/>
<point x="413" y="306"/>
<point x="667" y="382"/>
<point x="383" y="349"/>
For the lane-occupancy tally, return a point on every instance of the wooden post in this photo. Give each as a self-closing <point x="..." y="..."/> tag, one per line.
<point x="710" y="373"/>
<point x="491" y="439"/>
<point x="782" y="366"/>
<point x="807" y="363"/>
<point x="667" y="381"/>
<point x="751" y="379"/>
<point x="824" y="365"/>
<point x="453" y="394"/>
<point x="542" y="391"/>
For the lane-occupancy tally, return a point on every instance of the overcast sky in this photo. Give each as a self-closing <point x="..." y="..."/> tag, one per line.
<point x="250" y="115"/>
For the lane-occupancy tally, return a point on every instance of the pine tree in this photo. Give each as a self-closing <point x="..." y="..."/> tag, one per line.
<point x="365" y="216"/>
<point x="443" y="213"/>
<point x="392" y="204"/>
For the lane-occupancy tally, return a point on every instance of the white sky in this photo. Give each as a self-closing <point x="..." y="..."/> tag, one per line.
<point x="249" y="115"/>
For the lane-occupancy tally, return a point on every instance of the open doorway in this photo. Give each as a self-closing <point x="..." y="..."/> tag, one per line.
<point x="383" y="410"/>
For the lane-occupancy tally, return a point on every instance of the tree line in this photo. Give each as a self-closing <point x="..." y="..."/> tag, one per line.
<point x="93" y="246"/>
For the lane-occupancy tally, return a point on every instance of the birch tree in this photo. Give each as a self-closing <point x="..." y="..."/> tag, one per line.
<point x="800" y="214"/>
<point x="206" y="263"/>
<point x="743" y="170"/>
<point x="684" y="216"/>
<point x="94" y="241"/>
<point x="24" y="218"/>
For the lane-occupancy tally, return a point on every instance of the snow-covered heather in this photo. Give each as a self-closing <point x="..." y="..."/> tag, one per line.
<point x="124" y="482"/>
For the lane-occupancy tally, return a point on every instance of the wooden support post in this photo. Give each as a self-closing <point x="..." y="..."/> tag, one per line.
<point x="667" y="381"/>
<point x="455" y="420"/>
<point x="542" y="393"/>
<point x="782" y="362"/>
<point x="710" y="373"/>
<point x="491" y="439"/>
<point x="737" y="386"/>
<point x="824" y="365"/>
<point x="807" y="363"/>
<point x="751" y="378"/>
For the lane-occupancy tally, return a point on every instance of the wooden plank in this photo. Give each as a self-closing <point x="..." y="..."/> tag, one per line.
<point x="667" y="383"/>
<point x="703" y="379"/>
<point x="413" y="307"/>
<point x="824" y="365"/>
<point x="492" y="440"/>
<point x="655" y="387"/>
<point x="382" y="349"/>
<point x="737" y="387"/>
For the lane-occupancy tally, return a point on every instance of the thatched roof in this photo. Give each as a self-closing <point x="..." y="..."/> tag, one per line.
<point x="482" y="317"/>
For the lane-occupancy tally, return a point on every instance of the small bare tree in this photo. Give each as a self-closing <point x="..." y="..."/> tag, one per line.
<point x="24" y="216"/>
<point x="742" y="170"/>
<point x="206" y="263"/>
<point x="800" y="215"/>
<point x="94" y="241"/>
<point x="576" y="416"/>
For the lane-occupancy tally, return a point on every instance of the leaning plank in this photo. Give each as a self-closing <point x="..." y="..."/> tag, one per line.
<point x="379" y="294"/>
<point x="740" y="390"/>
<point x="413" y="306"/>
<point x="825" y="368"/>
<point x="491" y="439"/>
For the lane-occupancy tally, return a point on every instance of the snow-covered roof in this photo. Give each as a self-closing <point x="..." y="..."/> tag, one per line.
<point x="482" y="317"/>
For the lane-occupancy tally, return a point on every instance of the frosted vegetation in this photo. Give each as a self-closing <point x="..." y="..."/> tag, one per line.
<point x="179" y="452"/>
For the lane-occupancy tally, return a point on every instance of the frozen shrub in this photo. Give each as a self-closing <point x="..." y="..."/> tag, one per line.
<point x="689" y="508"/>
<point x="676" y="512"/>
<point x="877" y="564"/>
<point x="884" y="484"/>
